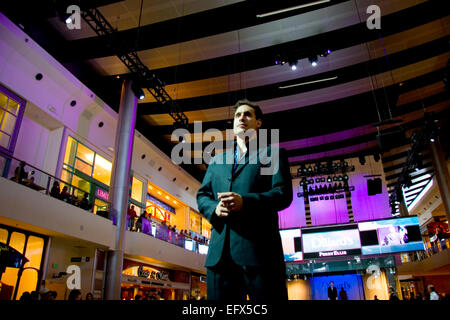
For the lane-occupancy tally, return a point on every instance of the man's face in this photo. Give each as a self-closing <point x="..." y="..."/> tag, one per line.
<point x="331" y="283"/>
<point x="245" y="119"/>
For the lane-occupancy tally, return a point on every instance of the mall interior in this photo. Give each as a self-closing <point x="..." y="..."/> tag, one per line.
<point x="358" y="91"/>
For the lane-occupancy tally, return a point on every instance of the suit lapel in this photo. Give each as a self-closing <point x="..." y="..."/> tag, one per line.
<point x="249" y="158"/>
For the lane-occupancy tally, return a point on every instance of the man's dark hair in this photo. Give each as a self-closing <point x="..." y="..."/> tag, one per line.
<point x="258" y="111"/>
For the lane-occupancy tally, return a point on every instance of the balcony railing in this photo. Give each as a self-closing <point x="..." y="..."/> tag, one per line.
<point x="35" y="178"/>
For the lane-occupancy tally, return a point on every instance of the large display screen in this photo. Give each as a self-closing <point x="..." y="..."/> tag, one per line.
<point x="292" y="246"/>
<point x="331" y="241"/>
<point x="390" y="235"/>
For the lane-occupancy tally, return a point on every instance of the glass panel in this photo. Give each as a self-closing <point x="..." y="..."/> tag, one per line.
<point x="83" y="167"/>
<point x="102" y="170"/>
<point x="195" y="220"/>
<point x="66" y="176"/>
<point x="206" y="228"/>
<point x="3" y="235"/>
<point x="69" y="157"/>
<point x="3" y="100"/>
<point x="8" y="280"/>
<point x="81" y="184"/>
<point x="35" y="247"/>
<point x="100" y="206"/>
<point x="9" y="121"/>
<point x="4" y="140"/>
<point x="13" y="106"/>
<point x="2" y="112"/>
<point x="28" y="282"/>
<point x="85" y="154"/>
<point x="17" y="241"/>
<point x="136" y="189"/>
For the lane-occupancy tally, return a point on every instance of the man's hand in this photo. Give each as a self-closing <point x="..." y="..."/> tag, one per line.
<point x="231" y="200"/>
<point x="222" y="210"/>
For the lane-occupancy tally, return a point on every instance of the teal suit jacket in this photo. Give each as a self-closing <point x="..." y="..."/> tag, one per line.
<point x="253" y="232"/>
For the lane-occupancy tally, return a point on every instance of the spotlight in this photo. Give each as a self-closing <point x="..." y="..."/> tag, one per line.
<point x="293" y="65"/>
<point x="313" y="60"/>
<point x="346" y="177"/>
<point x="329" y="179"/>
<point x="139" y="93"/>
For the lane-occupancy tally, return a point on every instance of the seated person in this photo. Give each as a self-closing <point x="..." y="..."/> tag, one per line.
<point x="64" y="195"/>
<point x="54" y="192"/>
<point x="84" y="203"/>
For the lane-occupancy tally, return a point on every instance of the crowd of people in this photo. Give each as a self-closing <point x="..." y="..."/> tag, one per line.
<point x="429" y="293"/>
<point x="135" y="224"/>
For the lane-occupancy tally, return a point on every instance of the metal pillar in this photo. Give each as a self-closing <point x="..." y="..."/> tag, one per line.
<point x="118" y="192"/>
<point x="441" y="174"/>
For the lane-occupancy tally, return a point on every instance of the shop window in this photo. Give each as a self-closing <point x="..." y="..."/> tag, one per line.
<point x="85" y="170"/>
<point x="11" y="111"/>
<point x="195" y="220"/>
<point x="69" y="157"/>
<point x="26" y="279"/>
<point x="85" y="154"/>
<point x="33" y="252"/>
<point x="80" y="184"/>
<point x="102" y="170"/>
<point x="136" y="189"/>
<point x="13" y="107"/>
<point x="4" y="140"/>
<point x="206" y="228"/>
<point x="100" y="206"/>
<point x="83" y="167"/>
<point x="28" y="282"/>
<point x="3" y="235"/>
<point x="17" y="241"/>
<point x="8" y="123"/>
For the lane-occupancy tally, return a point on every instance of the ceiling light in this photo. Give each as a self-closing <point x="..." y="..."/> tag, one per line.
<point x="293" y="64"/>
<point x="291" y="8"/>
<point x="313" y="60"/>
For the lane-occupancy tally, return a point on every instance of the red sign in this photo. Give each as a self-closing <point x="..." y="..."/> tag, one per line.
<point x="102" y="194"/>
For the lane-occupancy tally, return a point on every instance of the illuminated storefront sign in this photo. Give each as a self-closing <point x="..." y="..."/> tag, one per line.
<point x="102" y="194"/>
<point x="331" y="243"/>
<point x="157" y="212"/>
<point x="146" y="272"/>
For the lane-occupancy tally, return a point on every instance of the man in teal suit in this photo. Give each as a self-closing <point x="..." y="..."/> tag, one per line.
<point x="241" y="201"/>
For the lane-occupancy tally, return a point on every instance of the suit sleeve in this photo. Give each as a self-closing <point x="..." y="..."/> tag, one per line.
<point x="279" y="196"/>
<point x="206" y="200"/>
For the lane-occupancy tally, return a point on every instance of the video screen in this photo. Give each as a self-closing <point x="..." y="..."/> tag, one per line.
<point x="202" y="249"/>
<point x="392" y="235"/>
<point x="189" y="245"/>
<point x="292" y="245"/>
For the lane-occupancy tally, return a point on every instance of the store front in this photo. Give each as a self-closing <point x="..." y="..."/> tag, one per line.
<point x="85" y="171"/>
<point x="153" y="283"/>
<point x="15" y="281"/>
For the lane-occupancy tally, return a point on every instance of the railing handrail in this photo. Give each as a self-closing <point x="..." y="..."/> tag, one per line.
<point x="161" y="225"/>
<point x="2" y="153"/>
